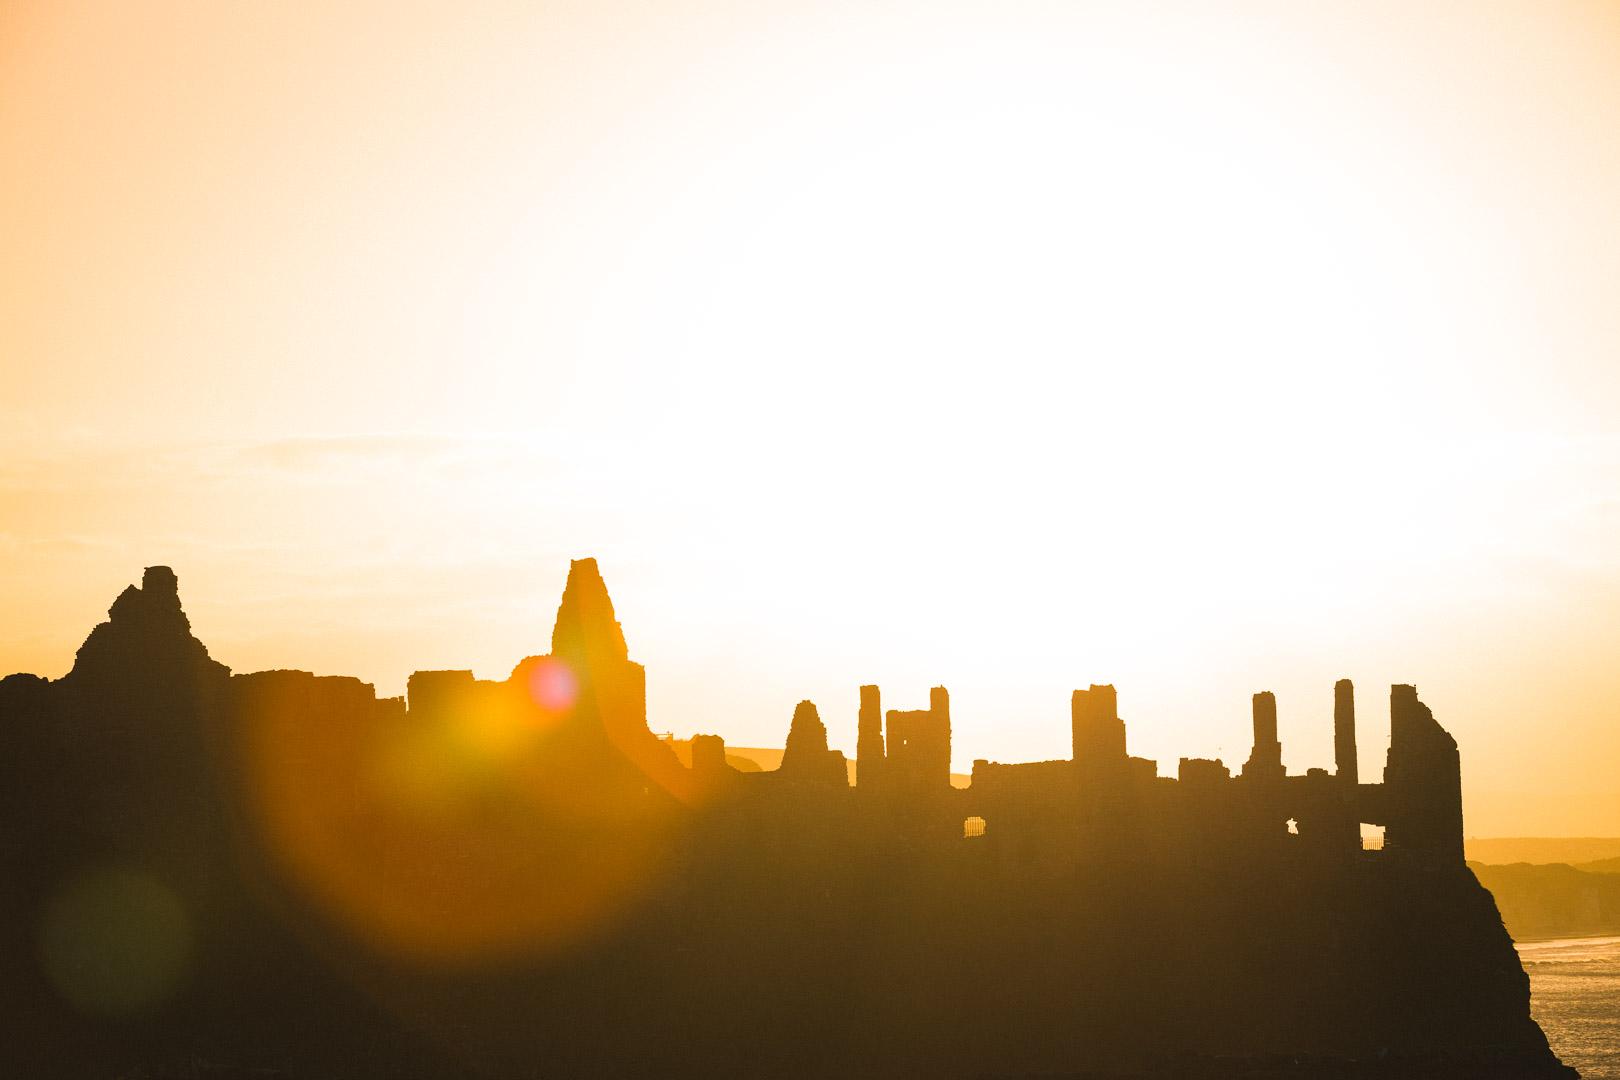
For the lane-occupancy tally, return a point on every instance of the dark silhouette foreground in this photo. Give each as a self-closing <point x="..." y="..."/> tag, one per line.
<point x="279" y="874"/>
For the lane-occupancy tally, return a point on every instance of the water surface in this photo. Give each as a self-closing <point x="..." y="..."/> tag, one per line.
<point x="1575" y="996"/>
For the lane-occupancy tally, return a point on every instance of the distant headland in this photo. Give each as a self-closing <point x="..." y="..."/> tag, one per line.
<point x="282" y="874"/>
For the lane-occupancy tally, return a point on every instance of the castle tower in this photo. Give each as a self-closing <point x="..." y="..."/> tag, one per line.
<point x="594" y="697"/>
<point x="1423" y="783"/>
<point x="1097" y="731"/>
<point x="919" y="746"/>
<point x="1265" y="761"/>
<point x="586" y="625"/>
<point x="1344" y="732"/>
<point x="869" y="753"/>
<point x="607" y="689"/>
<point x="806" y="757"/>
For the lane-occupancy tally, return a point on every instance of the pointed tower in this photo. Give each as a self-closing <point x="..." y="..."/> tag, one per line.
<point x="589" y="642"/>
<point x="806" y="756"/>
<point x="592" y="697"/>
<point x="586" y="626"/>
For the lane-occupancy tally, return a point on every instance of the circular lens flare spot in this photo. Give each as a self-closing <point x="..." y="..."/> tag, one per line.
<point x="553" y="685"/>
<point x="115" y="943"/>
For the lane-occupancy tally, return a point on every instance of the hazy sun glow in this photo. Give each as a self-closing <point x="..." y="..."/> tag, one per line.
<point x="1006" y="346"/>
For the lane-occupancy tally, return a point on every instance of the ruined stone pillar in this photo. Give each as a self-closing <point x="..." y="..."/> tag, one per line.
<point x="939" y="705"/>
<point x="869" y="753"/>
<point x="1344" y="732"/>
<point x="1265" y="761"/>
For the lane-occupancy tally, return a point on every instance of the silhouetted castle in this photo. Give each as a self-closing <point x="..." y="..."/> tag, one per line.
<point x="518" y="877"/>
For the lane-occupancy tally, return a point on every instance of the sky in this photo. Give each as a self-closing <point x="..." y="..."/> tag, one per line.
<point x="1006" y="346"/>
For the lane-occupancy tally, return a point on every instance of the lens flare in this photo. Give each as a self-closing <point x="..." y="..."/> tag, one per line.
<point x="458" y="833"/>
<point x="553" y="685"/>
<point x="115" y="943"/>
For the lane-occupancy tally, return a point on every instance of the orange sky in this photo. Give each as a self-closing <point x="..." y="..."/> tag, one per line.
<point x="1013" y="346"/>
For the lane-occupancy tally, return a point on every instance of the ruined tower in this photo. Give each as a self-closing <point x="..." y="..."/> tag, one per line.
<point x="586" y="625"/>
<point x="806" y="757"/>
<point x="1098" y="732"/>
<point x="609" y="689"/>
<point x="919" y="745"/>
<point x="869" y="755"/>
<point x="1422" y="783"/>
<point x="1265" y="761"/>
<point x="1344" y="732"/>
<point x="593" y="697"/>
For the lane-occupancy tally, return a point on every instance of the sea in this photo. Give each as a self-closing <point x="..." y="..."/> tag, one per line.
<point x="1575" y="996"/>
